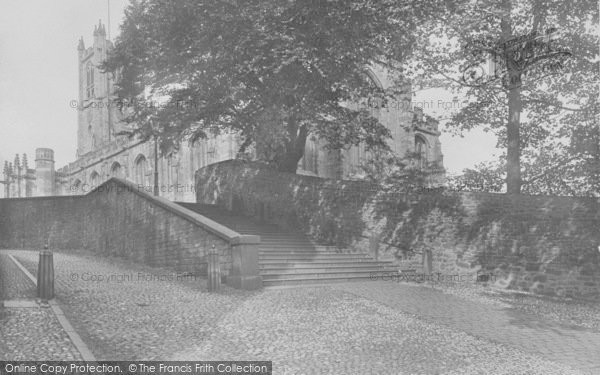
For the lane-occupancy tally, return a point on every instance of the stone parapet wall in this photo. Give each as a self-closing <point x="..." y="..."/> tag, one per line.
<point x="27" y="223"/>
<point x="117" y="219"/>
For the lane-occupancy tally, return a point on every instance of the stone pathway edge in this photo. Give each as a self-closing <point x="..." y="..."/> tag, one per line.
<point x="83" y="349"/>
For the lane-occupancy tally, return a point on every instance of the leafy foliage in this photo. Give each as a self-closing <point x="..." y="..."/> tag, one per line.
<point x="246" y="66"/>
<point x="484" y="177"/>
<point x="553" y="97"/>
<point x="553" y="169"/>
<point x="400" y="175"/>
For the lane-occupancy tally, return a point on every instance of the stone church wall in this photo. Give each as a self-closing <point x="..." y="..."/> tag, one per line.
<point x="134" y="161"/>
<point x="103" y="151"/>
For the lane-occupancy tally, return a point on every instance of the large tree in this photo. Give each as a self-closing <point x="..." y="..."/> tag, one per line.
<point x="529" y="69"/>
<point x="553" y="169"/>
<point x="272" y="71"/>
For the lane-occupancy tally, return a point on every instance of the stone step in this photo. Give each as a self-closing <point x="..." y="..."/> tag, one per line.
<point x="351" y="268"/>
<point x="247" y="223"/>
<point x="321" y="275"/>
<point x="295" y="242"/>
<point x="283" y="247"/>
<point x="303" y="249"/>
<point x="311" y="281"/>
<point x="289" y="249"/>
<point x="287" y="237"/>
<point x="269" y="245"/>
<point x="288" y="246"/>
<point x="312" y="262"/>
<point x="307" y="257"/>
<point x="285" y="242"/>
<point x="304" y="253"/>
<point x="280" y="234"/>
<point x="291" y="258"/>
<point x="259" y="231"/>
<point x="311" y="251"/>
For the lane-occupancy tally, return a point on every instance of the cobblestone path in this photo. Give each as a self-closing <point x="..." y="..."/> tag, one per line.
<point x="128" y="311"/>
<point x="13" y="282"/>
<point x="556" y="342"/>
<point x="30" y="332"/>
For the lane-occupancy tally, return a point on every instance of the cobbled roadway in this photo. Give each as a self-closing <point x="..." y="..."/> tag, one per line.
<point x="351" y="328"/>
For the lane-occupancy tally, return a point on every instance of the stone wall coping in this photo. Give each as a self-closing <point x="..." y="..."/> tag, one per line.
<point x="212" y="226"/>
<point x="51" y="197"/>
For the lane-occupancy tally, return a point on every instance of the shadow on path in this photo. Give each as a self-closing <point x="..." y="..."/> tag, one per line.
<point x="574" y="346"/>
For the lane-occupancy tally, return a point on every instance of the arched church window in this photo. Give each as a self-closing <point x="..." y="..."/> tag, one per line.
<point x="374" y="80"/>
<point x="76" y="187"/>
<point x="89" y="69"/>
<point x="140" y="170"/>
<point x="211" y="151"/>
<point x="421" y="151"/>
<point x="310" y="157"/>
<point x="374" y="103"/>
<point x="195" y="156"/>
<point x="116" y="170"/>
<point x="170" y="165"/>
<point x="202" y="155"/>
<point x="94" y="179"/>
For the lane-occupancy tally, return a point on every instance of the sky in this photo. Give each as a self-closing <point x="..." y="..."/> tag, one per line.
<point x="38" y="72"/>
<point x="38" y="80"/>
<point x="459" y="152"/>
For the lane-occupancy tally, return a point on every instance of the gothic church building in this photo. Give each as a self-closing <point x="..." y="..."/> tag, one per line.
<point x="102" y="153"/>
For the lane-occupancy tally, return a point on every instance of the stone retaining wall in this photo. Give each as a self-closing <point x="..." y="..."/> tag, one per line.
<point x="542" y="244"/>
<point x="120" y="220"/>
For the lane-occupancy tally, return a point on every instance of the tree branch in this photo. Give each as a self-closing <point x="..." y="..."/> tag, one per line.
<point x="547" y="171"/>
<point x="554" y="105"/>
<point x="482" y="86"/>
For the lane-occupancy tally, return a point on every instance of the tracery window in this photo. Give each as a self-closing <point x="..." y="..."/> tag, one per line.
<point x="89" y="70"/>
<point x="421" y="152"/>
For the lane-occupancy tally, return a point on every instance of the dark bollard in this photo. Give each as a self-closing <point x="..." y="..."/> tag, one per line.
<point x="214" y="270"/>
<point x="45" y="275"/>
<point x="427" y="261"/>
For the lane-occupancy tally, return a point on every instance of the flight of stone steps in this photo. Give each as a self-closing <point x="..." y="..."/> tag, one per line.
<point x="291" y="258"/>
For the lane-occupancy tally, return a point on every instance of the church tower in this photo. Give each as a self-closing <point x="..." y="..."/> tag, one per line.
<point x="96" y="112"/>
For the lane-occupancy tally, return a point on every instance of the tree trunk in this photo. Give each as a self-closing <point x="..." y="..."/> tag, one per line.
<point x="288" y="162"/>
<point x="513" y="85"/>
<point x="294" y="150"/>
<point x="513" y="150"/>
